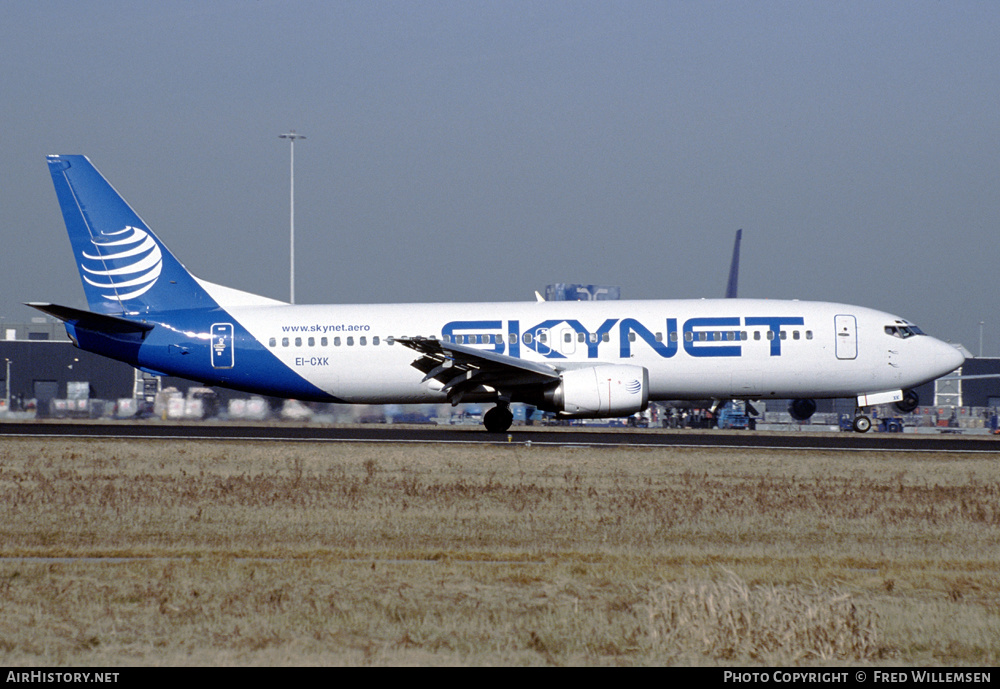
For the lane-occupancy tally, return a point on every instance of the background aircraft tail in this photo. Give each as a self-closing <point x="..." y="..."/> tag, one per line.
<point x="732" y="286"/>
<point x="124" y="267"/>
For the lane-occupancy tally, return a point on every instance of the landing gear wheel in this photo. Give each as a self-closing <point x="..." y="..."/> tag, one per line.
<point x="861" y="424"/>
<point x="498" y="419"/>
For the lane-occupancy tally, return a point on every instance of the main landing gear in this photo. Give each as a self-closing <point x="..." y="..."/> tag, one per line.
<point x="499" y="418"/>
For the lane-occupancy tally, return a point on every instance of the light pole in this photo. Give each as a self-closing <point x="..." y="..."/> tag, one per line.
<point x="981" y="324"/>
<point x="7" y="379"/>
<point x="291" y="136"/>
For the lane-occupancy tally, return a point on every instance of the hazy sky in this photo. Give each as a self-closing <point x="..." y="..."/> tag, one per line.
<point x="477" y="151"/>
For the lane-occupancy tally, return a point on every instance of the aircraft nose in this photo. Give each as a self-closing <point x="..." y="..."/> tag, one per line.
<point x="947" y="357"/>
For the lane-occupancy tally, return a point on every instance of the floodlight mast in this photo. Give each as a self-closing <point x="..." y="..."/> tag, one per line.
<point x="291" y="136"/>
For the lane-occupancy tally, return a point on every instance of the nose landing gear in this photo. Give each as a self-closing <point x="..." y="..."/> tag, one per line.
<point x="861" y="423"/>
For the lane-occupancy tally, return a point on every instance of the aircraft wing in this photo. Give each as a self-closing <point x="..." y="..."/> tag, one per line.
<point x="460" y="368"/>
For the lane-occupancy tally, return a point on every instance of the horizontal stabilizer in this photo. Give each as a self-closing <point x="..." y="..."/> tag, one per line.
<point x="89" y="320"/>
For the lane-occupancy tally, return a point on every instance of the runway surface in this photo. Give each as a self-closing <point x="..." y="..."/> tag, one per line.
<point x="896" y="442"/>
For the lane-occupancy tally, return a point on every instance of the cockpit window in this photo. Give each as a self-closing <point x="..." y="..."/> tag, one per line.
<point x="903" y="331"/>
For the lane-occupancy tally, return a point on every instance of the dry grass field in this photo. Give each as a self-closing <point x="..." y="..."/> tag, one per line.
<point x="196" y="552"/>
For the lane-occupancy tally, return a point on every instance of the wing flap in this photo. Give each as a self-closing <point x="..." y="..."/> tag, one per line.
<point x="460" y="368"/>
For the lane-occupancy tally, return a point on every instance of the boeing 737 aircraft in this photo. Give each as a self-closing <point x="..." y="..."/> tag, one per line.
<point x="596" y="359"/>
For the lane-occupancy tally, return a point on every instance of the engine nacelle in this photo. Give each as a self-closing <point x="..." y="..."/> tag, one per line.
<point x="910" y="401"/>
<point x="600" y="392"/>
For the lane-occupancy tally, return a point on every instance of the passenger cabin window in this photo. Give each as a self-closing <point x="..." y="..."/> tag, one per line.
<point x="272" y="342"/>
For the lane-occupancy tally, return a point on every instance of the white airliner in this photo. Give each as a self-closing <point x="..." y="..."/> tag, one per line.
<point x="596" y="359"/>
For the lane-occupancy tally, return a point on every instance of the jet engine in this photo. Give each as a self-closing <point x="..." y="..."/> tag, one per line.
<point x="599" y="392"/>
<point x="801" y="410"/>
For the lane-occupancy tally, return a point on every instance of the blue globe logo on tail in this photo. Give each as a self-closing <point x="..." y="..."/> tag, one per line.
<point x="127" y="262"/>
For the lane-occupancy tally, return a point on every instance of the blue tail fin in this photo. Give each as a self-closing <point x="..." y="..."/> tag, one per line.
<point x="125" y="268"/>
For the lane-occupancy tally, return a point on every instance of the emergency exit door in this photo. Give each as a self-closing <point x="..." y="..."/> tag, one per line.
<point x="847" y="336"/>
